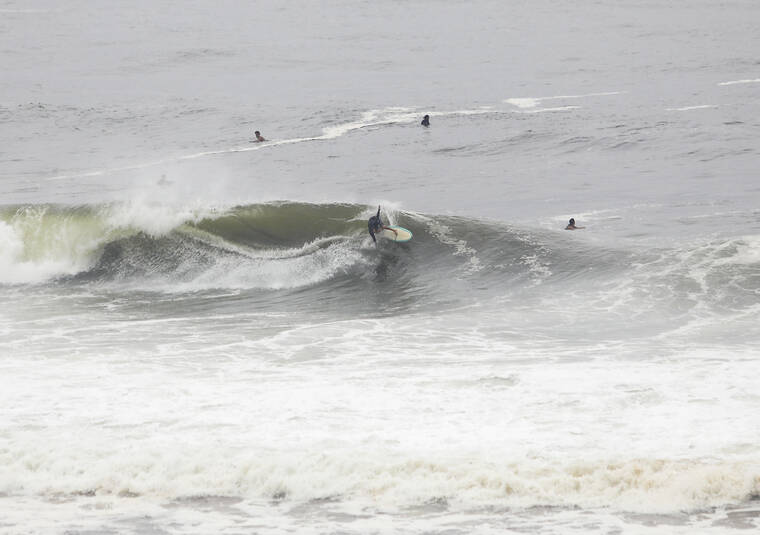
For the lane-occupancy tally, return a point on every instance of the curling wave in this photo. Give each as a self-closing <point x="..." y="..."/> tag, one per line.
<point x="265" y="246"/>
<point x="325" y="247"/>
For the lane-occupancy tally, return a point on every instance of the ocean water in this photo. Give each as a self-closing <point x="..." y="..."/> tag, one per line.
<point x="197" y="334"/>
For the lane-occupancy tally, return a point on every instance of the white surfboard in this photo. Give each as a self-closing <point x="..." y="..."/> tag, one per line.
<point x="403" y="235"/>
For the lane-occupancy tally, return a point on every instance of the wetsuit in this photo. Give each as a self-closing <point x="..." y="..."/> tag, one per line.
<point x="375" y="224"/>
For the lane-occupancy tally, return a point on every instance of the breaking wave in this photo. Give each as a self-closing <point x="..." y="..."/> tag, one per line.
<point x="288" y="246"/>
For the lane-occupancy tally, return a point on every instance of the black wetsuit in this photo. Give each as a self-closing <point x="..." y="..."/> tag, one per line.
<point x="425" y="121"/>
<point x="375" y="224"/>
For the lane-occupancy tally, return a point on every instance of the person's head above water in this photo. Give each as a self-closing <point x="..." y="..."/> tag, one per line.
<point x="426" y="120"/>
<point x="571" y="225"/>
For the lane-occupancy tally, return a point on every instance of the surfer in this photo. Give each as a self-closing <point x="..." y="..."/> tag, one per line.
<point x="259" y="137"/>
<point x="425" y="120"/>
<point x="571" y="225"/>
<point x="375" y="224"/>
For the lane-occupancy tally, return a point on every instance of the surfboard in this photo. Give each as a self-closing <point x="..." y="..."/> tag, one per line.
<point x="404" y="235"/>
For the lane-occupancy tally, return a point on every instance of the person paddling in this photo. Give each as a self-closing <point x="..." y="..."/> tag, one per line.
<point x="571" y="225"/>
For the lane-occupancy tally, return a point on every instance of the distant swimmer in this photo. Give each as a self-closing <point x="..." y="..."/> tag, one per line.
<point x="571" y="225"/>
<point x="375" y="224"/>
<point x="425" y="120"/>
<point x="259" y="137"/>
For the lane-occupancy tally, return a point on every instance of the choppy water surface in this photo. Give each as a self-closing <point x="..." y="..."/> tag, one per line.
<point x="198" y="335"/>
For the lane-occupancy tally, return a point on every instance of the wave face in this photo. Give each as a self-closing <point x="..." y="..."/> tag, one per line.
<point x="312" y="250"/>
<point x="267" y="247"/>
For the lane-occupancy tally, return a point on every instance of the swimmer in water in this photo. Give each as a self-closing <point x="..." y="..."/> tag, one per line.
<point x="259" y="137"/>
<point x="425" y="120"/>
<point x="571" y="225"/>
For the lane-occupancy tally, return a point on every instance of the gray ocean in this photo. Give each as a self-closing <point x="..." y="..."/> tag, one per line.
<point x="198" y="335"/>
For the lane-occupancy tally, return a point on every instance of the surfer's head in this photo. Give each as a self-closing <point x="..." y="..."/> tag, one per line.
<point x="572" y="221"/>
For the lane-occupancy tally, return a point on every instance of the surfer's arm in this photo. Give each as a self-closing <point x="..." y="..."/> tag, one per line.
<point x="392" y="230"/>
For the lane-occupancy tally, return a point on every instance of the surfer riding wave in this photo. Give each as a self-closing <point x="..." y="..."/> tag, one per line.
<point x="375" y="224"/>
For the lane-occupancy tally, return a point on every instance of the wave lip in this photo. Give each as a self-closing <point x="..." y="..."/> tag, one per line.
<point x="43" y="242"/>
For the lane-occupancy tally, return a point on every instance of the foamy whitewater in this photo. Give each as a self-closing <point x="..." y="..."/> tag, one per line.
<point x="197" y="334"/>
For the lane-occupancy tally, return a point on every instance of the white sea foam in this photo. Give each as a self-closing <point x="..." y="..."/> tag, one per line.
<point x="370" y="477"/>
<point x="689" y="108"/>
<point x="17" y="267"/>
<point x="156" y="217"/>
<point x="310" y="264"/>
<point x="737" y="82"/>
<point x="532" y="102"/>
<point x="560" y="108"/>
<point x="27" y="11"/>
<point x="35" y="246"/>
<point x="523" y="102"/>
<point x="461" y="247"/>
<point x="744" y="250"/>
